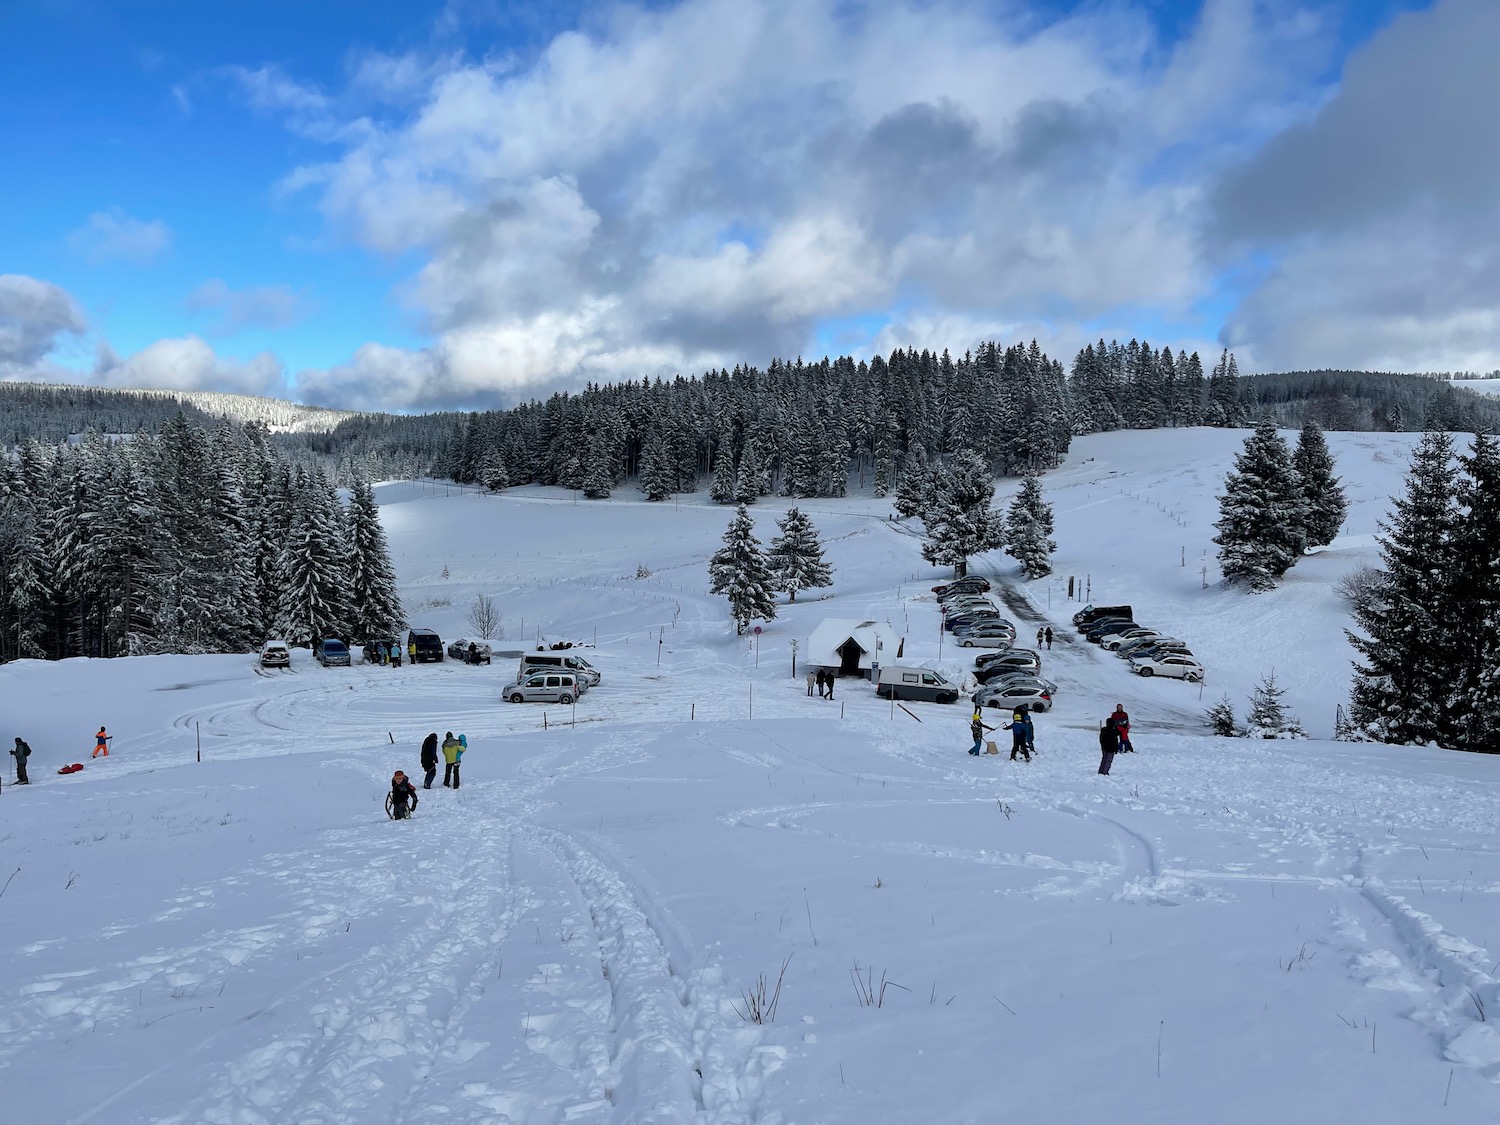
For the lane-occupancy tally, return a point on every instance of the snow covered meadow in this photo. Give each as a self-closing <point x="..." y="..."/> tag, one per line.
<point x="1221" y="930"/>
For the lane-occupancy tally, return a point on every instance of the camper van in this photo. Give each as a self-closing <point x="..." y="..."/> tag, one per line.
<point x="559" y="661"/>
<point x="904" y="681"/>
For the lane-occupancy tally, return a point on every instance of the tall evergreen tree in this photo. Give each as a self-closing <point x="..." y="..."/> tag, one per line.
<point x="796" y="555"/>
<point x="1406" y="637"/>
<point x="959" y="520"/>
<point x="738" y="571"/>
<point x="1028" y="529"/>
<point x="374" y="604"/>
<point x="1474" y="702"/>
<point x="1260" y="513"/>
<point x="656" y="468"/>
<point x="721" y="491"/>
<point x="1322" y="498"/>
<point x="915" y="485"/>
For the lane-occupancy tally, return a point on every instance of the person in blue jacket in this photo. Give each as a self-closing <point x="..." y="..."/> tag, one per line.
<point x="1022" y="733"/>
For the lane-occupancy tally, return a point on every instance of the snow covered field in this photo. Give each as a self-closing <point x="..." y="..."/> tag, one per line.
<point x="1219" y="931"/>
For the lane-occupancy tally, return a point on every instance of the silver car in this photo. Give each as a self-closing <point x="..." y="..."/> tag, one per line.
<point x="545" y="687"/>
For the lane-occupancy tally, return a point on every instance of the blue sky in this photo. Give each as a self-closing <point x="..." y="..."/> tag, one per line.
<point x="430" y="204"/>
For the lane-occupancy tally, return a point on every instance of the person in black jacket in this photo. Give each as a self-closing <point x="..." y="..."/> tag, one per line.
<point x="21" y="753"/>
<point x="429" y="759"/>
<point x="1109" y="744"/>
<point x="403" y="796"/>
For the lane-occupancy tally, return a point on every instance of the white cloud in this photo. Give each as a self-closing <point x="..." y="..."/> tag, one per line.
<point x="188" y="363"/>
<point x="114" y="236"/>
<point x="256" y="306"/>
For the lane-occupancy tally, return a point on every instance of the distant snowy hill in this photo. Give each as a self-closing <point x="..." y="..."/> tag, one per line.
<point x="278" y="414"/>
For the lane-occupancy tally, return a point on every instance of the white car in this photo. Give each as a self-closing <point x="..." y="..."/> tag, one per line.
<point x="1169" y="664"/>
<point x="987" y="638"/>
<point x="1011" y="696"/>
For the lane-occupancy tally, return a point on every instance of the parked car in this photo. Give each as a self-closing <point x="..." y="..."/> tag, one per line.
<point x="331" y="653"/>
<point x="459" y="650"/>
<point x="1109" y="629"/>
<point x="988" y="625"/>
<point x="970" y="617"/>
<point x="1113" y="641"/>
<point x="375" y="646"/>
<point x="985" y="659"/>
<point x="1134" y="644"/>
<point x="967" y="582"/>
<point x="545" y="686"/>
<point x="1021" y="659"/>
<point x="1174" y="648"/>
<point x="1021" y="676"/>
<point x="1095" y="612"/>
<point x="1013" y="695"/>
<point x="1150" y="646"/>
<point x="1171" y="664"/>
<point x="903" y="681"/>
<point x="563" y="662"/>
<point x="275" y="654"/>
<point x="949" y="600"/>
<point x="424" y="646"/>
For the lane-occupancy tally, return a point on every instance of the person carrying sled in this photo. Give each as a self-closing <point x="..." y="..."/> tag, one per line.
<point x="101" y="744"/>
<point x="977" y="728"/>
<point x="1122" y="724"/>
<point x="453" y="751"/>
<point x="403" y="796"/>
<point x="21" y="753"/>
<point x="1109" y="744"/>
<point x="429" y="759"/>
<point x="1021" y="733"/>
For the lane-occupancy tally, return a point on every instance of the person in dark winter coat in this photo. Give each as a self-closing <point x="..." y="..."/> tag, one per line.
<point x="1109" y="744"/>
<point x="1022" y="734"/>
<point x="403" y="796"/>
<point x="828" y="680"/>
<point x="429" y="759"/>
<point x="453" y="750"/>
<point x="1122" y="724"/>
<point x="1041" y="636"/>
<point x="977" y="729"/>
<point x="21" y="753"/>
<point x="1049" y="638"/>
<point x="822" y="678"/>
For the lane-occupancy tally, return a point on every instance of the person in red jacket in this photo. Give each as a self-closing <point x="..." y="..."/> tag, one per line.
<point x="1122" y="724"/>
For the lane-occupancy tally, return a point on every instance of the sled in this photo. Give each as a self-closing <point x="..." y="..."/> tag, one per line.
<point x="74" y="768"/>
<point x="390" y="808"/>
<point x="990" y="747"/>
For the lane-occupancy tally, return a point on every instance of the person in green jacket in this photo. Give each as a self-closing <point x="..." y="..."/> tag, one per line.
<point x="453" y="751"/>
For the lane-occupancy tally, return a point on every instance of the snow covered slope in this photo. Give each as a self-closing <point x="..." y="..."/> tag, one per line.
<point x="1219" y="931"/>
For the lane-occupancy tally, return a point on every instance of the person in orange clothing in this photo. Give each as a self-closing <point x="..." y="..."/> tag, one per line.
<point x="101" y="744"/>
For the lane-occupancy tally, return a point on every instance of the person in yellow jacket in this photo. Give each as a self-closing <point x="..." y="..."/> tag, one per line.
<point x="453" y="752"/>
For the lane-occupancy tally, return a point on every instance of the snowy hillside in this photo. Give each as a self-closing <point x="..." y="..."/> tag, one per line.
<point x="1221" y="930"/>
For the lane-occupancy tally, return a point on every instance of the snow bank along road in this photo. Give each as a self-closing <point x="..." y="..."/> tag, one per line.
<point x="1220" y="931"/>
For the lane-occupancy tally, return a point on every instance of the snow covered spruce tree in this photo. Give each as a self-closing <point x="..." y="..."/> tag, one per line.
<point x="1268" y="716"/>
<point x="1261" y="512"/>
<point x="721" y="491"/>
<point x="1474" y="697"/>
<point x="314" y="582"/>
<point x="1221" y="719"/>
<point x="374" y="604"/>
<point x="796" y="555"/>
<point x="1028" y="529"/>
<point x="738" y="570"/>
<point x="915" y="484"/>
<point x="1322" y="498"/>
<point x="656" y="477"/>
<point x="958" y="516"/>
<point x="1405" y="640"/>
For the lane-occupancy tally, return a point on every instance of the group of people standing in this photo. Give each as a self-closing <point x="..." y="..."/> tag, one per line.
<point x="822" y="679"/>
<point x="404" y="793"/>
<point x="22" y="755"/>
<point x="1114" y="738"/>
<point x="1114" y="735"/>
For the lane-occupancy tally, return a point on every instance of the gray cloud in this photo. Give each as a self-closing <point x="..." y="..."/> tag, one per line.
<point x="1380" y="213"/>
<point x="33" y="314"/>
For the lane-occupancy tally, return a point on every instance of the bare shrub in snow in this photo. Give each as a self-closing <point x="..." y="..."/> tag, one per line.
<point x="484" y="617"/>
<point x="762" y="998"/>
<point x="1361" y="586"/>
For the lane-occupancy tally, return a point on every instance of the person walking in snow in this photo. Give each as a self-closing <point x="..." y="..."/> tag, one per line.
<point x="1109" y="744"/>
<point x="21" y="753"/>
<point x="395" y="655"/>
<point x="403" y="796"/>
<point x="1021" y="734"/>
<point x="429" y="759"/>
<point x="812" y="678"/>
<point x="101" y="744"/>
<point x="977" y="728"/>
<point x="1041" y="635"/>
<point x="1122" y="724"/>
<point x="828" y="679"/>
<point x="453" y="750"/>
<point x="1049" y="638"/>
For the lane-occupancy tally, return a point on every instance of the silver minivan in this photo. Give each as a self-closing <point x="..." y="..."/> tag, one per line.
<point x="543" y="686"/>
<point x="563" y="662"/>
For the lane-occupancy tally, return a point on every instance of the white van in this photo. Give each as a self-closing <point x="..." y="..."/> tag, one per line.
<point x="905" y="681"/>
<point x="559" y="660"/>
<point x="544" y="685"/>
